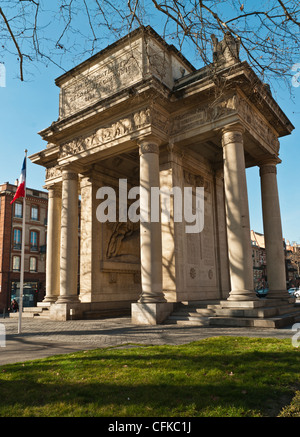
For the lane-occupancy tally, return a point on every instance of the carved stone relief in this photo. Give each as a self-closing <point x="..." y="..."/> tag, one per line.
<point x="52" y="172"/>
<point x="196" y="181"/>
<point x="122" y="245"/>
<point x="110" y="132"/>
<point x="256" y="125"/>
<point x="200" y="256"/>
<point x="233" y="105"/>
<point x="204" y="114"/>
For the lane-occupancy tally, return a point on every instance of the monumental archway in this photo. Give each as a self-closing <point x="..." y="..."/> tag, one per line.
<point x="138" y="112"/>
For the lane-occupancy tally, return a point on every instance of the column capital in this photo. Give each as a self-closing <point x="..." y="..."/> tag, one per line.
<point x="232" y="134"/>
<point x="267" y="168"/>
<point x="233" y="127"/>
<point x="268" y="165"/>
<point x="68" y="174"/>
<point x="54" y="191"/>
<point x="149" y="144"/>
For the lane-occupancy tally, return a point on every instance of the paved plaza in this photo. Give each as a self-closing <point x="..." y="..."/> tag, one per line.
<point x="42" y="338"/>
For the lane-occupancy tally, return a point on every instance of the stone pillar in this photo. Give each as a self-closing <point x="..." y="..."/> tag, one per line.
<point x="237" y="216"/>
<point x="69" y="238"/>
<point x="150" y="232"/>
<point x="151" y="307"/>
<point x="53" y="245"/>
<point x="89" y="238"/>
<point x="273" y="231"/>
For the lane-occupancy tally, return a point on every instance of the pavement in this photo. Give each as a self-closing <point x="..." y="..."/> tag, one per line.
<point x="40" y="338"/>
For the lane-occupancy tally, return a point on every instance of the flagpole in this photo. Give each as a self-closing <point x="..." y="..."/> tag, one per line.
<point x="22" y="257"/>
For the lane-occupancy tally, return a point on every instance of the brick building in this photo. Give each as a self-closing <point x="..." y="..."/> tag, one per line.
<point x="292" y="255"/>
<point x="10" y="245"/>
<point x="259" y="260"/>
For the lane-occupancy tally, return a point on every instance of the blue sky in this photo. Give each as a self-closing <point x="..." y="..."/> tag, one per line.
<point x="30" y="106"/>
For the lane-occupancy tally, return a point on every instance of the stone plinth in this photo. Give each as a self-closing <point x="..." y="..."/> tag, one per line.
<point x="263" y="313"/>
<point x="66" y="311"/>
<point x="150" y="313"/>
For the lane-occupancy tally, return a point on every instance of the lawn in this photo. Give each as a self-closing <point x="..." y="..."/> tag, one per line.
<point x="220" y="376"/>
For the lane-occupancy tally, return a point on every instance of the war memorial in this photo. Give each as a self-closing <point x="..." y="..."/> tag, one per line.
<point x="138" y="116"/>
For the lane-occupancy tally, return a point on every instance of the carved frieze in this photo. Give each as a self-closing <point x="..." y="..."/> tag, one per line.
<point x="234" y="105"/>
<point x="115" y="130"/>
<point x="52" y="173"/>
<point x="204" y="114"/>
<point x="256" y="125"/>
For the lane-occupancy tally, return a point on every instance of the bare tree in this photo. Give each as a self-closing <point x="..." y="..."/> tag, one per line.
<point x="68" y="30"/>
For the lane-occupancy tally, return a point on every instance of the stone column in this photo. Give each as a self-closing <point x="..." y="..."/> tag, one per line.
<point x="89" y="238"/>
<point x="69" y="238"/>
<point x="53" y="244"/>
<point x="150" y="232"/>
<point x="237" y="216"/>
<point x="273" y="231"/>
<point x="151" y="307"/>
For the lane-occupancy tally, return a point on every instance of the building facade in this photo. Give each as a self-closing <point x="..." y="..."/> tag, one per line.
<point x="292" y="251"/>
<point x="139" y="115"/>
<point x="10" y="245"/>
<point x="260" y="270"/>
<point x="259" y="260"/>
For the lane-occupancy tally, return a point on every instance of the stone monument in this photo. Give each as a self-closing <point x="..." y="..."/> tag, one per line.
<point x="139" y="112"/>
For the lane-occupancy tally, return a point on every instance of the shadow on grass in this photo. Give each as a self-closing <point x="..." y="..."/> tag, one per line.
<point x="216" y="377"/>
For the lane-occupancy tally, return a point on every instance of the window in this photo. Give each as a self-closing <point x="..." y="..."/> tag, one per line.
<point x="18" y="210"/>
<point x="17" y="239"/>
<point x="33" y="241"/>
<point x="34" y="213"/>
<point x="16" y="263"/>
<point x="33" y="264"/>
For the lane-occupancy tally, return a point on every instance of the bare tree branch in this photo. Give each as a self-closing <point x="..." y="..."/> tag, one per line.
<point x="70" y="30"/>
<point x="288" y="15"/>
<point x="15" y="43"/>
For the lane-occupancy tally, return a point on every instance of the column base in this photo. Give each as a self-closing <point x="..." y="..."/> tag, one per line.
<point x="279" y="294"/>
<point x="150" y="313"/>
<point x="242" y="295"/>
<point x="67" y="299"/>
<point x="144" y="299"/>
<point x="50" y="299"/>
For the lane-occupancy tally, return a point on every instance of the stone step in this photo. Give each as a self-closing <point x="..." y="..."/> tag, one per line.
<point x="199" y="303"/>
<point x="271" y="322"/>
<point x="44" y="304"/>
<point x="188" y="322"/>
<point x="263" y="312"/>
<point x="16" y="315"/>
<point x="31" y="312"/>
<point x="259" y="303"/>
<point x="192" y="313"/>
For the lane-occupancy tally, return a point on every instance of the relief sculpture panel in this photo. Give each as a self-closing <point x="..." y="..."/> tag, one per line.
<point x="115" y="130"/>
<point x="201" y="266"/>
<point x="204" y="114"/>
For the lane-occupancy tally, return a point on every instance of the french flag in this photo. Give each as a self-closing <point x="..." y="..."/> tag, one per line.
<point x="22" y="184"/>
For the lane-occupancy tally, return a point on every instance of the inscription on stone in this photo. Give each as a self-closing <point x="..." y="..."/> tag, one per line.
<point x="101" y="82"/>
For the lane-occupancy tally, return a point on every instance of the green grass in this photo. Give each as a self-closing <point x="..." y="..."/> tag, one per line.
<point x="224" y="376"/>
